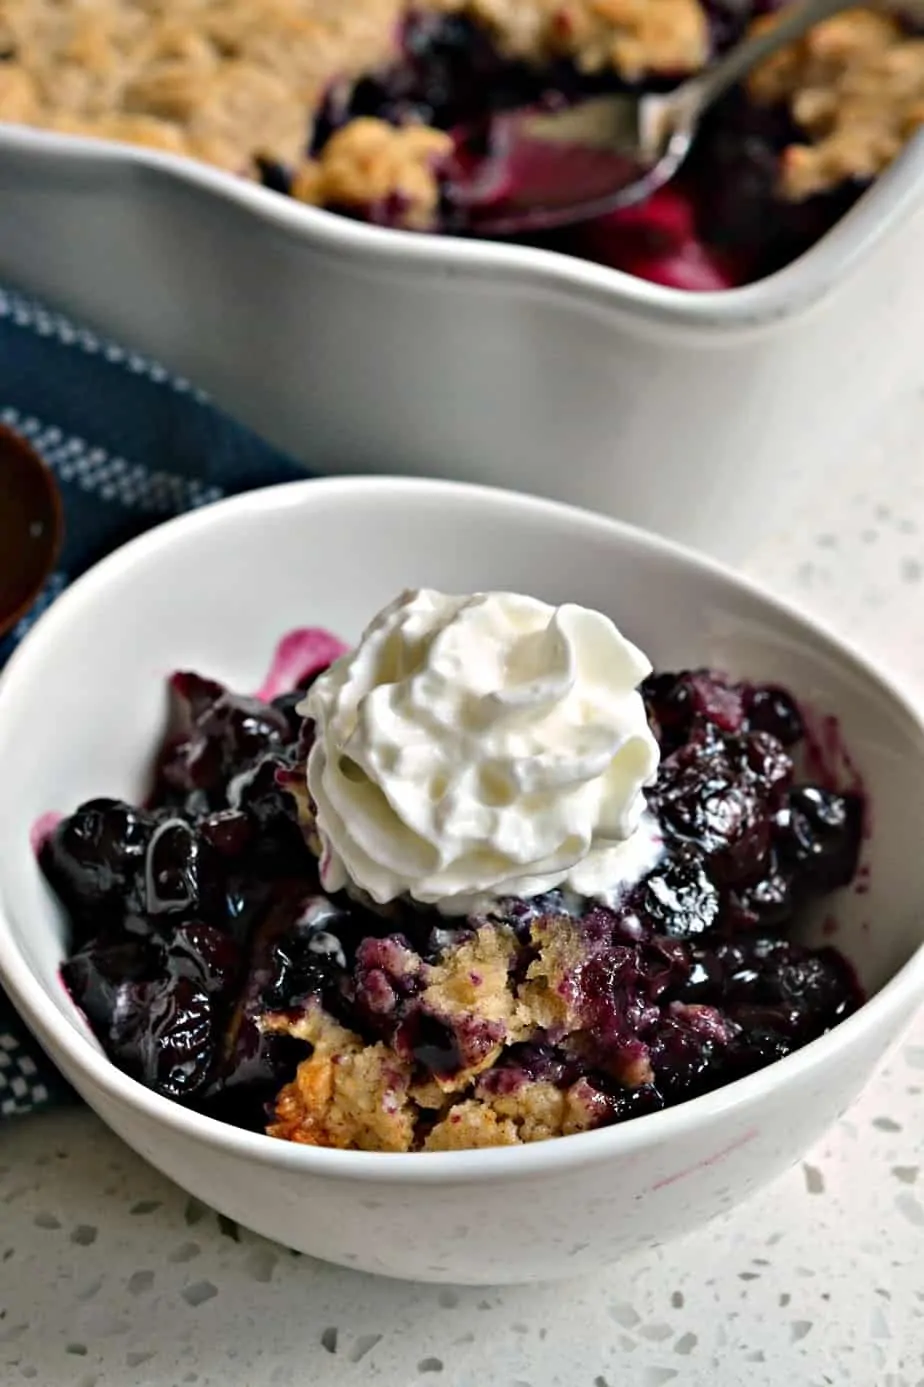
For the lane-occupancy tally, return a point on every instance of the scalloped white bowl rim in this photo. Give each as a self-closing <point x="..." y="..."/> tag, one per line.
<point x="797" y="286"/>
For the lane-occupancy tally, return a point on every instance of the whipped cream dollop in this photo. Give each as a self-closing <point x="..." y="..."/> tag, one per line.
<point x="477" y="747"/>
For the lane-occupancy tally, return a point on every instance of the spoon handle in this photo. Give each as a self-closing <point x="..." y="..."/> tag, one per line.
<point x="700" y="91"/>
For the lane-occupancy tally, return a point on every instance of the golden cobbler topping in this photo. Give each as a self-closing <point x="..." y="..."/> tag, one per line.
<point x="235" y="81"/>
<point x="353" y="1094"/>
<point x="370" y="163"/>
<point x="855" y="86"/>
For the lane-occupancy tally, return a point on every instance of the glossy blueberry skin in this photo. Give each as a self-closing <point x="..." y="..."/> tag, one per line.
<point x="95" y="862"/>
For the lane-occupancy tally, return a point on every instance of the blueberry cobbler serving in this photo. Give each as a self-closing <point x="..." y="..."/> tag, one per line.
<point x="482" y="881"/>
<point x="365" y="106"/>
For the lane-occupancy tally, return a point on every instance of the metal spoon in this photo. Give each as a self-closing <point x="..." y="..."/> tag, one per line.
<point x="550" y="170"/>
<point x="31" y="527"/>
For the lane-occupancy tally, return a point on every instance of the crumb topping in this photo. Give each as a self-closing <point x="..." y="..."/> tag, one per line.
<point x="551" y="992"/>
<point x="632" y="37"/>
<point x="347" y="1095"/>
<point x="370" y="164"/>
<point x="536" y="1112"/>
<point x="354" y="1096"/>
<point x="228" y="82"/>
<point x="855" y="85"/>
<point x="475" y="978"/>
<point x="235" y="81"/>
<point x="370" y="1096"/>
<point x="474" y="981"/>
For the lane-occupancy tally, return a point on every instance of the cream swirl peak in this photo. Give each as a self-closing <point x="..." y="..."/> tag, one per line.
<point x="477" y="747"/>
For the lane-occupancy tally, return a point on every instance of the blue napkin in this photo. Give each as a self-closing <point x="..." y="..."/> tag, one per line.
<point x="130" y="446"/>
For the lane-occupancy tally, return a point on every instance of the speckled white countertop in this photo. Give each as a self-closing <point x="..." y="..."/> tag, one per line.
<point x="111" y="1277"/>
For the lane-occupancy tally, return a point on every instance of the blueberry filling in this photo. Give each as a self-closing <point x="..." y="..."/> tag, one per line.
<point x="195" y="919"/>
<point x="724" y="222"/>
<point x="391" y="110"/>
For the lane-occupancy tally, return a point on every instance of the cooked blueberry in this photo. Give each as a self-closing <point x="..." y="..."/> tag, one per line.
<point x="183" y="874"/>
<point x="708" y="796"/>
<point x="669" y="703"/>
<point x="679" y="899"/>
<point x="165" y="1035"/>
<point x="724" y="970"/>
<point x="308" y="960"/>
<point x="530" y="1063"/>
<point x="636" y="1102"/>
<point x="229" y="831"/>
<point x="207" y="956"/>
<point x="676" y="701"/>
<point x="820" y="984"/>
<point x="686" y="1061"/>
<point x="100" y="978"/>
<point x="819" y="840"/>
<point x="717" y="700"/>
<point x="277" y="844"/>
<point x="223" y="735"/>
<point x="95" y="861"/>
<point x="449" y="74"/>
<point x="766" y="1036"/>
<point x="254" y="1065"/>
<point x="766" y="904"/>
<point x="770" y="765"/>
<point x="286" y="704"/>
<point x="771" y="709"/>
<point x="771" y="972"/>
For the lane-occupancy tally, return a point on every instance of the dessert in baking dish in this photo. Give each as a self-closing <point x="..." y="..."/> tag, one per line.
<point x="361" y="107"/>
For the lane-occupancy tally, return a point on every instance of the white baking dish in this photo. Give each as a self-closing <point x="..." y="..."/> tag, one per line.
<point x="705" y="416"/>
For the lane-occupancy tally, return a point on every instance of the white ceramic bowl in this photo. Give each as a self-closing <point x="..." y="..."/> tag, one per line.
<point x="81" y="709"/>
<point x="708" y="417"/>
